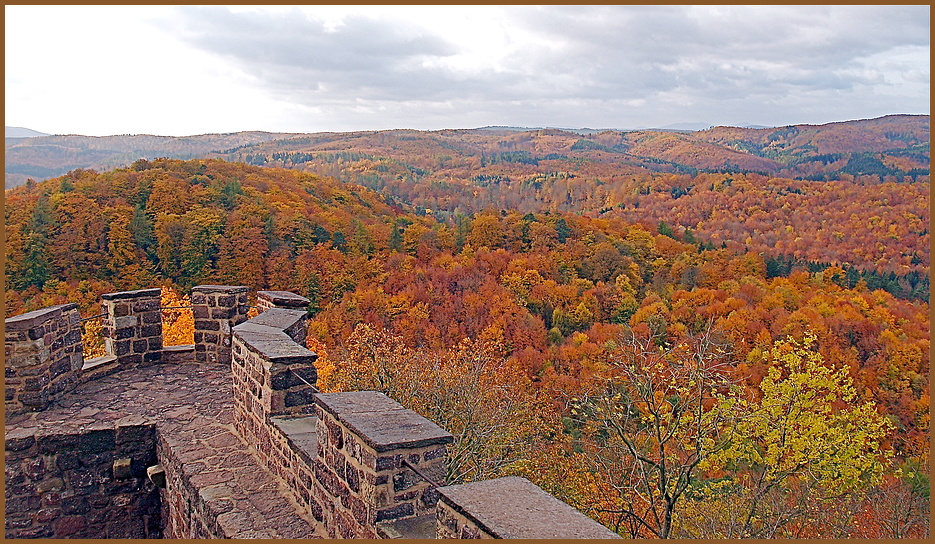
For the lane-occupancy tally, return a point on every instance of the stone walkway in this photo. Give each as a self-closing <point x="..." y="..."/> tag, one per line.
<point x="190" y="405"/>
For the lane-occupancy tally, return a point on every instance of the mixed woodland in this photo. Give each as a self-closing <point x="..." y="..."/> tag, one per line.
<point x="679" y="348"/>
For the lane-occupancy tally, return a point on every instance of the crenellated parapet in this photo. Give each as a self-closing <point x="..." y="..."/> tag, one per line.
<point x="217" y="309"/>
<point x="133" y="326"/>
<point x="346" y="465"/>
<point x="43" y="357"/>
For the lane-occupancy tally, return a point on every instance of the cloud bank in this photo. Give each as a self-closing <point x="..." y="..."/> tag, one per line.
<point x="318" y="68"/>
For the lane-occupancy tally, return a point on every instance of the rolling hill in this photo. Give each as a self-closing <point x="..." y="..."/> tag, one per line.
<point x="895" y="145"/>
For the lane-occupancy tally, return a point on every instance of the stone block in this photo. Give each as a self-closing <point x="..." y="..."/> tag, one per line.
<point x="39" y="400"/>
<point x="151" y="330"/>
<point x="131" y="359"/>
<point x="122" y="468"/>
<point x="207" y="325"/>
<point x="36" y="383"/>
<point x="151" y="317"/>
<point x="395" y="512"/>
<point x="300" y="397"/>
<point x="121" y="347"/>
<point x="73" y="337"/>
<point x="222" y="313"/>
<point x="147" y="305"/>
<point x="126" y="321"/>
<point x="97" y="440"/>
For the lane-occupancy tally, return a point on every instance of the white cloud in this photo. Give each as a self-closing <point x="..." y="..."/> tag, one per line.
<point x="183" y="70"/>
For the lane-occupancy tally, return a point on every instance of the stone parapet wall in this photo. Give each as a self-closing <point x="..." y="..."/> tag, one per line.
<point x="216" y="310"/>
<point x="365" y="440"/>
<point x="132" y="326"/>
<point x="510" y="507"/>
<point x="272" y="374"/>
<point x="84" y="485"/>
<point x="273" y="382"/>
<point x="293" y="448"/>
<point x="43" y="357"/>
<point x="291" y="322"/>
<point x="269" y="456"/>
<point x="185" y="514"/>
<point x="280" y="299"/>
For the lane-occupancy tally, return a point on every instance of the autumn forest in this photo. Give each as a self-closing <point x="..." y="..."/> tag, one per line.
<point x="714" y="334"/>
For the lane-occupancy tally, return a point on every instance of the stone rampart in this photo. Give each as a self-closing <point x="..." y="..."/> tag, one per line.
<point x="216" y="310"/>
<point x="43" y="357"/>
<point x="367" y="446"/>
<point x="352" y="465"/>
<point x="133" y="326"/>
<point x="280" y="299"/>
<point x="90" y="484"/>
<point x="510" y="507"/>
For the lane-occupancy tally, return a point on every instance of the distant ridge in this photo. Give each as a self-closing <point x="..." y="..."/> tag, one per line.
<point x="20" y="132"/>
<point x="893" y="145"/>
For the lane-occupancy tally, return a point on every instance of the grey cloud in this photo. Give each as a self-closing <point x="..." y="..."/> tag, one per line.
<point x="696" y="40"/>
<point x="298" y="55"/>
<point x="730" y="60"/>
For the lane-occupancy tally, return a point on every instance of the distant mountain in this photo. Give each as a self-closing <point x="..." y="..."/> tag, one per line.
<point x="891" y="145"/>
<point x="687" y="126"/>
<point x="45" y="156"/>
<point x="20" y="132"/>
<point x="895" y="145"/>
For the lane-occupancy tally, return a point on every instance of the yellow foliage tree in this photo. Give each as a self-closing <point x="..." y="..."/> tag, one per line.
<point x="806" y="445"/>
<point x="178" y="324"/>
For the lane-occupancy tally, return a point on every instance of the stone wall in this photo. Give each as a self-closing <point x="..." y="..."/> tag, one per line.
<point x="85" y="485"/>
<point x="185" y="513"/>
<point x="365" y="440"/>
<point x="43" y="357"/>
<point x="280" y="299"/>
<point x="272" y="374"/>
<point x="216" y="310"/>
<point x="357" y="463"/>
<point x="510" y="507"/>
<point x="133" y="326"/>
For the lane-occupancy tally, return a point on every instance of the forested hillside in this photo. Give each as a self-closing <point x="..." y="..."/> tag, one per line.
<point x="525" y="327"/>
<point x="43" y="156"/>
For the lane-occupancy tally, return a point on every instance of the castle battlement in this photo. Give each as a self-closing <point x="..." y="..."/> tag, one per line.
<point x="229" y="438"/>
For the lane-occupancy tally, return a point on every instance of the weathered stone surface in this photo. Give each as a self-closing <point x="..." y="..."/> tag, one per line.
<point x="279" y="318"/>
<point x="126" y="321"/>
<point x="141" y="293"/>
<point x="30" y="320"/>
<point x="281" y="299"/>
<point x="272" y="344"/>
<point x="228" y="289"/>
<point x="381" y="422"/>
<point x="514" y="507"/>
<point x="418" y="527"/>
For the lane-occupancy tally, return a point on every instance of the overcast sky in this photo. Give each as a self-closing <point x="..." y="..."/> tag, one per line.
<point x="187" y="70"/>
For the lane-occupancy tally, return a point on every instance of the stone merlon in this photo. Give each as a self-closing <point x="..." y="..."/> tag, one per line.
<point x="514" y="507"/>
<point x="31" y="319"/>
<point x="382" y="422"/>
<point x="132" y="294"/>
